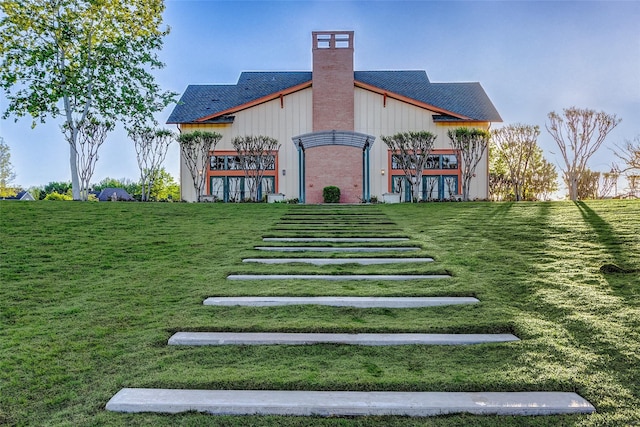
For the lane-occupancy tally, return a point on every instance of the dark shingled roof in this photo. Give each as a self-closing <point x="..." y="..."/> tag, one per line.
<point x="120" y="194"/>
<point x="465" y="99"/>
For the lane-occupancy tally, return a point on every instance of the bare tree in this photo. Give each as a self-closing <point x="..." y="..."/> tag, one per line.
<point x="629" y="152"/>
<point x="195" y="148"/>
<point x="609" y="182"/>
<point x="634" y="185"/>
<point x="257" y="155"/>
<point x="516" y="144"/>
<point x="579" y="133"/>
<point x="471" y="144"/>
<point x="151" y="149"/>
<point x="410" y="150"/>
<point x="91" y="134"/>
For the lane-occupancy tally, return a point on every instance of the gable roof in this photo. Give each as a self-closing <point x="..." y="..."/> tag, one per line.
<point x="120" y="194"/>
<point x="200" y="101"/>
<point x="21" y="195"/>
<point x="454" y="101"/>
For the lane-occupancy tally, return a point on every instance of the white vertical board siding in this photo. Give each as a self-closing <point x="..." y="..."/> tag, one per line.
<point x="374" y="118"/>
<point x="268" y="119"/>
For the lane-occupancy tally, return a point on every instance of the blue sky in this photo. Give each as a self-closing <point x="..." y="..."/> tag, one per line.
<point x="531" y="57"/>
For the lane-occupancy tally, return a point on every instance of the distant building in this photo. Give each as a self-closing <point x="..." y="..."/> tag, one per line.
<point x="114" y="194"/>
<point x="22" y="195"/>
<point x="329" y="122"/>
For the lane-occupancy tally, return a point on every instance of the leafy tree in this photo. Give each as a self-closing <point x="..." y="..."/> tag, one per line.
<point x="195" y="148"/>
<point x="541" y="179"/>
<point x="151" y="149"/>
<point x="7" y="174"/>
<point x="257" y="154"/>
<point x="37" y="192"/>
<point x="164" y="188"/>
<point x="579" y="133"/>
<point x="471" y="144"/>
<point x="515" y="145"/>
<point x="410" y="150"/>
<point x="77" y="58"/>
<point x="517" y="167"/>
<point x="57" y="187"/>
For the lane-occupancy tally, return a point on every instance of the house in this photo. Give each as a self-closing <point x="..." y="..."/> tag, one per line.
<point x="329" y="122"/>
<point x="114" y="194"/>
<point x="23" y="195"/>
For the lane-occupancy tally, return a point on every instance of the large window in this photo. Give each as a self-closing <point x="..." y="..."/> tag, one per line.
<point x="232" y="163"/>
<point x="432" y="187"/>
<point x="434" y="161"/>
<point x="439" y="187"/>
<point x="440" y="178"/>
<point x="234" y="188"/>
<point x="449" y="161"/>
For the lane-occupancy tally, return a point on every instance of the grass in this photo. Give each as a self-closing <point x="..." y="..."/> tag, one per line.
<point x="90" y="293"/>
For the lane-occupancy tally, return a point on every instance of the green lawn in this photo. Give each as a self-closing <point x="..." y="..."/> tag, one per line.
<point x="90" y="293"/>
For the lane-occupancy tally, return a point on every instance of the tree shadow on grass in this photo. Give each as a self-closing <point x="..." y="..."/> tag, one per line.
<point x="610" y="240"/>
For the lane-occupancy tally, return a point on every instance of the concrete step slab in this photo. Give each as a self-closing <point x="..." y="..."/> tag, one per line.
<point x="346" y="403"/>
<point x="288" y="338"/>
<point x="360" y="302"/>
<point x="336" y="239"/>
<point x="337" y="261"/>
<point x="336" y="249"/>
<point x="337" y="277"/>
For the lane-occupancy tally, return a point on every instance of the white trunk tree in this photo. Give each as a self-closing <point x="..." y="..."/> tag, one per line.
<point x="195" y="148"/>
<point x="76" y="58"/>
<point x="471" y="144"/>
<point x="90" y="133"/>
<point x="411" y="151"/>
<point x="579" y="133"/>
<point x="151" y="149"/>
<point x="257" y="155"/>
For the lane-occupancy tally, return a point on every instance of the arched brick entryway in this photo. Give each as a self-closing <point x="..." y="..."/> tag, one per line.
<point x="339" y="158"/>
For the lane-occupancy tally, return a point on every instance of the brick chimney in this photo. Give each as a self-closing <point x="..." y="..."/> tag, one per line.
<point x="333" y="104"/>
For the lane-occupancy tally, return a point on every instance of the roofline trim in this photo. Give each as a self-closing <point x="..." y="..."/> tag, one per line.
<point x="258" y="101"/>
<point x="408" y="100"/>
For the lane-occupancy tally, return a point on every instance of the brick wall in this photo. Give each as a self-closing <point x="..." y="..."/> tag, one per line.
<point x="337" y="165"/>
<point x="333" y="87"/>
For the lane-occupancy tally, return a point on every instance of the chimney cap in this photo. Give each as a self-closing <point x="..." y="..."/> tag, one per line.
<point x="332" y="40"/>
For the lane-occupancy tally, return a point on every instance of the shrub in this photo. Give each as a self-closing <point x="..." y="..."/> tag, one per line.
<point x="331" y="194"/>
<point x="58" y="196"/>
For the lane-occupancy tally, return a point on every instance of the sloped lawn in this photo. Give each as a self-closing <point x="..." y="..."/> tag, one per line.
<point x="90" y="293"/>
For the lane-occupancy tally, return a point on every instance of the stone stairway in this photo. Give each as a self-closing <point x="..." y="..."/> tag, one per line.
<point x="342" y="228"/>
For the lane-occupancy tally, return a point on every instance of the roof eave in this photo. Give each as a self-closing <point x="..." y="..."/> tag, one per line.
<point x="408" y="100"/>
<point x="253" y="103"/>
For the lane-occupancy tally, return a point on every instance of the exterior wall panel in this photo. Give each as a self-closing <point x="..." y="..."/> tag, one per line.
<point x="371" y="116"/>
<point x="269" y="119"/>
<point x="376" y="117"/>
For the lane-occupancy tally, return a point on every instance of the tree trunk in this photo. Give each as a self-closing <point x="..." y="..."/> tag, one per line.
<point x="73" y="163"/>
<point x="573" y="188"/>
